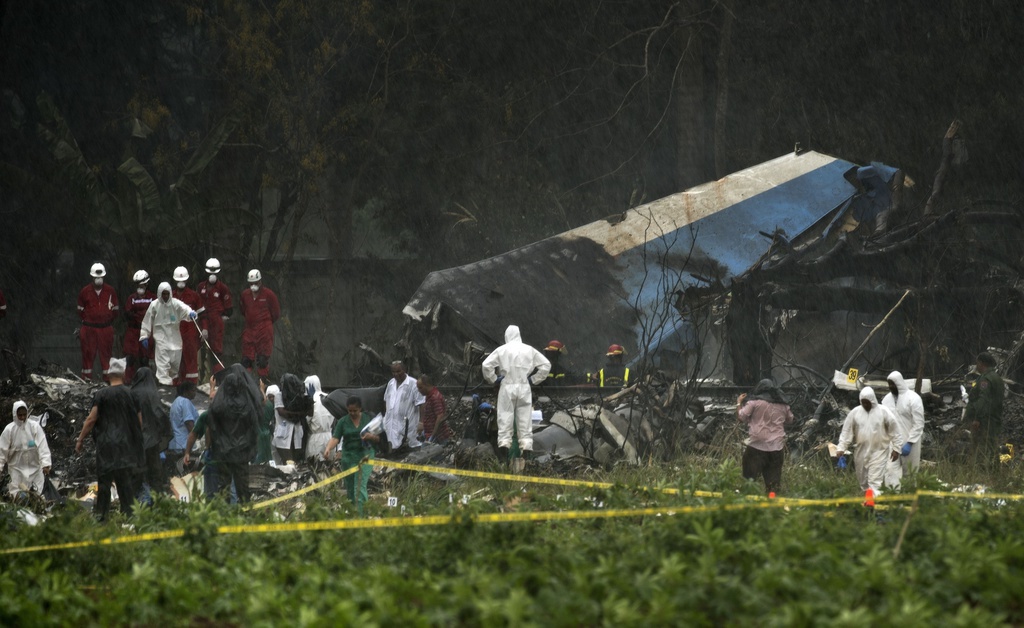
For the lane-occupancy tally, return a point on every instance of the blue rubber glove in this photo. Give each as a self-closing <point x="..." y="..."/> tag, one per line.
<point x="497" y="382"/>
<point x="841" y="463"/>
<point x="906" y="449"/>
<point x="193" y="315"/>
<point x="145" y="343"/>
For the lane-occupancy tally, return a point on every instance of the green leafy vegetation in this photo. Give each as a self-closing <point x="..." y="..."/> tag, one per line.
<point x="960" y="561"/>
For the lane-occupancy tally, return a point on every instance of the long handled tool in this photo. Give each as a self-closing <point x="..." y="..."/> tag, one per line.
<point x="206" y="342"/>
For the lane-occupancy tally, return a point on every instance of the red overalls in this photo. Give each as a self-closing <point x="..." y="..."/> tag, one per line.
<point x="97" y="309"/>
<point x="189" y="370"/>
<point x="217" y="300"/>
<point x="261" y="309"/>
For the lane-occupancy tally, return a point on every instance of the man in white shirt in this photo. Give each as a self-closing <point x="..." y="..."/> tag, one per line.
<point x="401" y="414"/>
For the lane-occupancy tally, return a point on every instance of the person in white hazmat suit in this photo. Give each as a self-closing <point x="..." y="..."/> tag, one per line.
<point x="875" y="433"/>
<point x="909" y="410"/>
<point x="162" y="325"/>
<point x="321" y="422"/>
<point x="516" y="365"/>
<point x="24" y="450"/>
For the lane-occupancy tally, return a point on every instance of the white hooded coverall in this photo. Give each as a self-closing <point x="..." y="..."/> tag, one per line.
<point x="320" y="422"/>
<point x="515" y="360"/>
<point x="24" y="450"/>
<point x="162" y="323"/>
<point x="909" y="410"/>
<point x="876" y="435"/>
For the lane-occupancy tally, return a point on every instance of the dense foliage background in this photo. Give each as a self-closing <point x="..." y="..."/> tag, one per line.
<point x="148" y="131"/>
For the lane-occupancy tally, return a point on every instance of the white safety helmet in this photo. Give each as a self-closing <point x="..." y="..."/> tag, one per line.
<point x="140" y="276"/>
<point x="98" y="270"/>
<point x="180" y="274"/>
<point x="213" y="266"/>
<point x="254" y="276"/>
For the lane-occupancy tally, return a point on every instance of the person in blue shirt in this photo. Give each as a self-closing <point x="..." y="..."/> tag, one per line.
<point x="183" y="419"/>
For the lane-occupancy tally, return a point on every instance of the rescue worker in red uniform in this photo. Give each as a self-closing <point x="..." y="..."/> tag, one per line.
<point x="261" y="310"/>
<point x="189" y="371"/>
<point x="97" y="307"/>
<point x="218" y="308"/>
<point x="134" y="310"/>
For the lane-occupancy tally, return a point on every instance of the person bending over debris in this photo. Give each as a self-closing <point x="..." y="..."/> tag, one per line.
<point x="401" y="418"/>
<point x="162" y="324"/>
<point x="984" y="414"/>
<point x="115" y="423"/>
<point x="156" y="430"/>
<point x="354" y="447"/>
<point x="24" y="450"/>
<point x="908" y="408"/>
<point x="766" y="414"/>
<point x="516" y="365"/>
<point x="183" y="419"/>
<point x="875" y="433"/>
<point x="210" y="480"/>
<point x="234" y="426"/>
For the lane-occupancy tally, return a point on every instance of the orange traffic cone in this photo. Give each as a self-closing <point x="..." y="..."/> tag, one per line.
<point x="869" y="498"/>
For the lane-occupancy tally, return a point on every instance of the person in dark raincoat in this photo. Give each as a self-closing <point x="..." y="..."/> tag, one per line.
<point x="115" y="423"/>
<point x="234" y="428"/>
<point x="156" y="430"/>
<point x="766" y="412"/>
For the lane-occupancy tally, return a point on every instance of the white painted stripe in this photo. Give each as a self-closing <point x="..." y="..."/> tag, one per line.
<point x="653" y="220"/>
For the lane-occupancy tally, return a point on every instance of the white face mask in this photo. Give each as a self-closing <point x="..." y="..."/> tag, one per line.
<point x="213" y="278"/>
<point x="98" y="281"/>
<point x="181" y="285"/>
<point x="254" y="287"/>
<point x="141" y="290"/>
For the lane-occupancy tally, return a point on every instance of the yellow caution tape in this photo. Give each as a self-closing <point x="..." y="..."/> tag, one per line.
<point x="434" y="520"/>
<point x="302" y="491"/>
<point x="527" y="479"/>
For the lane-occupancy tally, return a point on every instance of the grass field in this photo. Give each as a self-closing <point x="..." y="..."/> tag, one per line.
<point x="961" y="562"/>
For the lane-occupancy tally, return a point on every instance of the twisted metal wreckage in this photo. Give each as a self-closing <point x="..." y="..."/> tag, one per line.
<point x="782" y="269"/>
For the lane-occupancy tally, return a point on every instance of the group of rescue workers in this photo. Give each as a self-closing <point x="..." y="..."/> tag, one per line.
<point x="167" y="327"/>
<point x="137" y="441"/>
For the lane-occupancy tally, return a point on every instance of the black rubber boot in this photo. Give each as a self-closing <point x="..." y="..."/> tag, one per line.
<point x="503" y="455"/>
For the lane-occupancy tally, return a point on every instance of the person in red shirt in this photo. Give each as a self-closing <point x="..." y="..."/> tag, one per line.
<point x="97" y="307"/>
<point x="433" y="413"/>
<point x="261" y="310"/>
<point x="218" y="308"/>
<point x="189" y="370"/>
<point x="134" y="310"/>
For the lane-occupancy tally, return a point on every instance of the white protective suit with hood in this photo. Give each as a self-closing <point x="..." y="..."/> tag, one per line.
<point x="875" y="434"/>
<point x="515" y="361"/>
<point x="320" y="423"/>
<point x="162" y="323"/>
<point x="24" y="450"/>
<point x="909" y="410"/>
